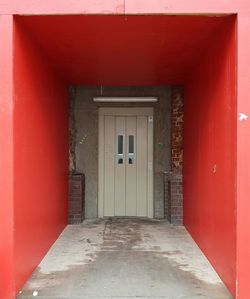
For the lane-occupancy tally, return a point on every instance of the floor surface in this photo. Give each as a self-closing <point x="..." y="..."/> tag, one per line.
<point x="125" y="259"/>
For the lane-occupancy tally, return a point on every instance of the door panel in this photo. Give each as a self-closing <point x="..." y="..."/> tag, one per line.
<point x="150" y="167"/>
<point x="142" y="165"/>
<point x="109" y="157"/>
<point x="120" y="164"/>
<point x="131" y="187"/>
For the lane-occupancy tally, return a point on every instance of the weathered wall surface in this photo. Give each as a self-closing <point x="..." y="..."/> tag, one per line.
<point x="86" y="145"/>
<point x="177" y="124"/>
<point x="173" y="183"/>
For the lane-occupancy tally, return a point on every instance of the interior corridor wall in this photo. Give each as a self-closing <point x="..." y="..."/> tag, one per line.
<point x="40" y="154"/>
<point x="210" y="154"/>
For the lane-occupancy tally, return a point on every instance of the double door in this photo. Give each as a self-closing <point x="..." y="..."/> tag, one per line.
<point x="125" y="162"/>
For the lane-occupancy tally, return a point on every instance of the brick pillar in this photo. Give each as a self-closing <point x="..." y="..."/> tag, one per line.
<point x="177" y="121"/>
<point x="173" y="185"/>
<point x="167" y="197"/>
<point x="176" y="196"/>
<point x="76" y="209"/>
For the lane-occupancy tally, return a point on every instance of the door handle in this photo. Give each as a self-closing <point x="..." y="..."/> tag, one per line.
<point x="131" y="149"/>
<point x="120" y="149"/>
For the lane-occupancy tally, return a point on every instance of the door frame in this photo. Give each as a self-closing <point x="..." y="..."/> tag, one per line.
<point x="125" y="111"/>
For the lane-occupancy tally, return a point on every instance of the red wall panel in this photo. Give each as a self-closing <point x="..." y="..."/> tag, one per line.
<point x="6" y="158"/>
<point x="119" y="51"/>
<point x="210" y="154"/>
<point x="40" y="155"/>
<point x="122" y="7"/>
<point x="243" y="154"/>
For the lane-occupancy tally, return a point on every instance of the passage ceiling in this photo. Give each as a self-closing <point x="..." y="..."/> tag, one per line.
<point x="124" y="50"/>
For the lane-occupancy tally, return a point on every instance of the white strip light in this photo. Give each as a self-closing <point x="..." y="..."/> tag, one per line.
<point x="125" y="99"/>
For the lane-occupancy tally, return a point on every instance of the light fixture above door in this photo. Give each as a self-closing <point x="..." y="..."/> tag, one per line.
<point x="125" y="99"/>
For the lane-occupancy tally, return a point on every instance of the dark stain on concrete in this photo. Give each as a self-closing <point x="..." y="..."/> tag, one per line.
<point x="119" y="271"/>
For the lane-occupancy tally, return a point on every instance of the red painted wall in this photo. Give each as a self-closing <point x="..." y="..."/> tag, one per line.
<point x="40" y="155"/>
<point x="6" y="159"/>
<point x="210" y="154"/>
<point x="122" y="7"/>
<point x="243" y="158"/>
<point x="148" y="49"/>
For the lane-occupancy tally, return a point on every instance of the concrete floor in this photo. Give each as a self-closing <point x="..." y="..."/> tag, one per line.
<point x="125" y="258"/>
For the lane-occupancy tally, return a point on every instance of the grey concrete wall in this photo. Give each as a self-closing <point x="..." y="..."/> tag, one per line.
<point x="86" y="138"/>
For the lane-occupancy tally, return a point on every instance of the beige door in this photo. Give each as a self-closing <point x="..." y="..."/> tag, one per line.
<point x="125" y="162"/>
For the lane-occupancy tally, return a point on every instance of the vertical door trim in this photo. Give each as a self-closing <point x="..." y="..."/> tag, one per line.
<point x="150" y="166"/>
<point x="101" y="166"/>
<point x="117" y="111"/>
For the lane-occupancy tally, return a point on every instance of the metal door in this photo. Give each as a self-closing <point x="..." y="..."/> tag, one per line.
<point x="126" y="150"/>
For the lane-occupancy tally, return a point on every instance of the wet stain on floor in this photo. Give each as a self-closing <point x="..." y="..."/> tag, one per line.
<point x="125" y="258"/>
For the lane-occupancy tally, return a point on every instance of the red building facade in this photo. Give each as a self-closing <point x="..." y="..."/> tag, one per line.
<point x="34" y="126"/>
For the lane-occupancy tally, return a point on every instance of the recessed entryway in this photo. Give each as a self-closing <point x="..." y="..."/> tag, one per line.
<point x="134" y="55"/>
<point x="154" y="147"/>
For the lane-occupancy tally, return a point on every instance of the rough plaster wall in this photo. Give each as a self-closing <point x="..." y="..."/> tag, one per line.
<point x="86" y="146"/>
<point x="177" y="128"/>
<point x="72" y="130"/>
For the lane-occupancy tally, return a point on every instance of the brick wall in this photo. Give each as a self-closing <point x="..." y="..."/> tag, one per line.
<point x="173" y="197"/>
<point x="76" y="198"/>
<point x="173" y="183"/>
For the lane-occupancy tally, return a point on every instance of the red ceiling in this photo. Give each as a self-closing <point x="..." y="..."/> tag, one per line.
<point x="124" y="50"/>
